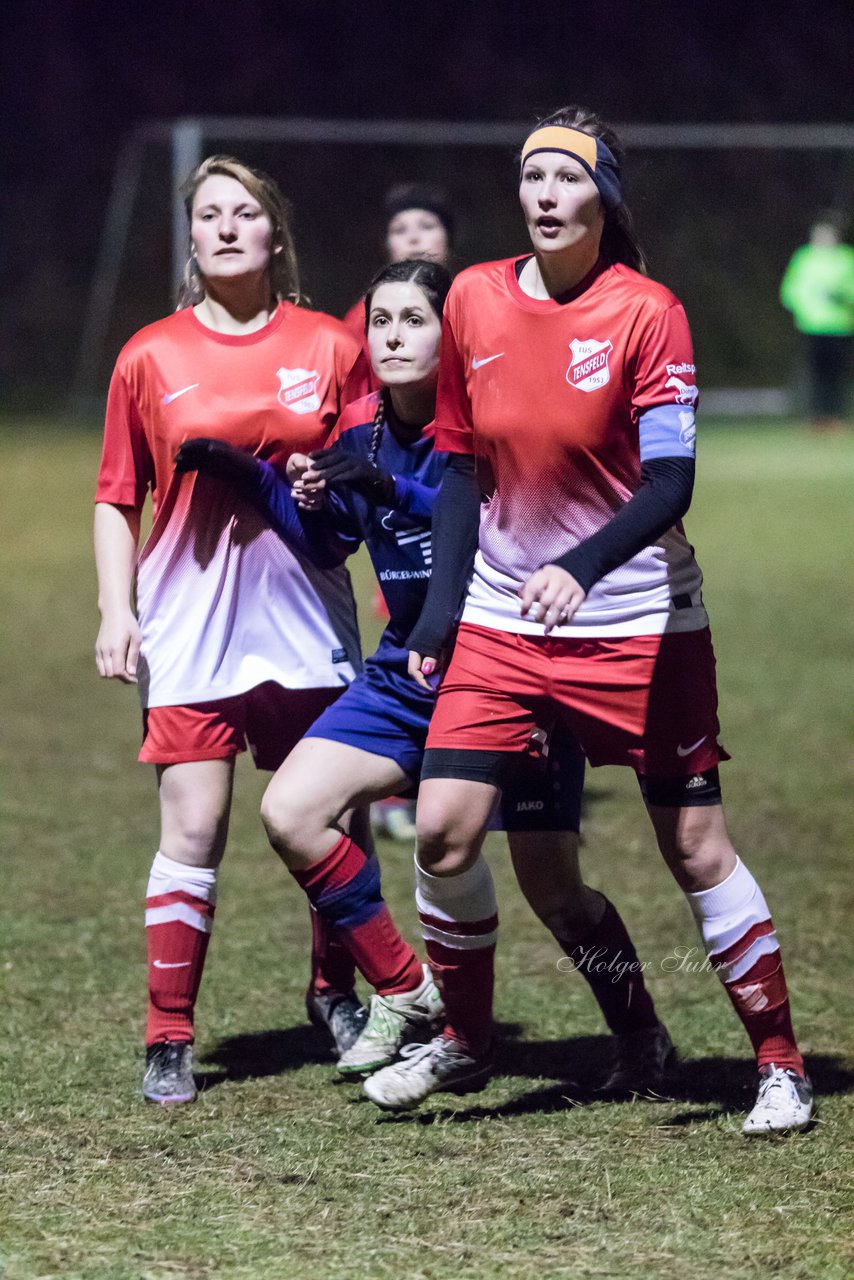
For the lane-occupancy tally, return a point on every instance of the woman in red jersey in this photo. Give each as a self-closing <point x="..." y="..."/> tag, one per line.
<point x="568" y="376"/>
<point x="377" y="485"/>
<point x="234" y="637"/>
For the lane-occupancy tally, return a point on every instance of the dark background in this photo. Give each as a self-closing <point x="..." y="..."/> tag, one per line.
<point x="76" y="78"/>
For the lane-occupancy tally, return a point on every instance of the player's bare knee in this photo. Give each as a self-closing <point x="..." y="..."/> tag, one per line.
<point x="699" y="863"/>
<point x="194" y="839"/>
<point x="284" y="819"/>
<point x="444" y="852"/>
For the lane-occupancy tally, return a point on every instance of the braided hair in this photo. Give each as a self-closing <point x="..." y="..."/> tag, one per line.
<point x="434" y="281"/>
<point x="377" y="428"/>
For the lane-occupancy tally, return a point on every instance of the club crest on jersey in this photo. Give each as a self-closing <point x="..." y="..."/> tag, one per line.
<point x="588" y="370"/>
<point x="687" y="428"/>
<point x="298" y="390"/>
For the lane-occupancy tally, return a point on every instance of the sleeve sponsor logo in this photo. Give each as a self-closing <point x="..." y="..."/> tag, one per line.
<point x="588" y="368"/>
<point x="686" y="392"/>
<point x="298" y="390"/>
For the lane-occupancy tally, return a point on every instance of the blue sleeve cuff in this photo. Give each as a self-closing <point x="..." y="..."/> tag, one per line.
<point x="667" y="431"/>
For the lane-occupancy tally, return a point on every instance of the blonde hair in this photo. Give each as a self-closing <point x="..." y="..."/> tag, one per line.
<point x="284" y="270"/>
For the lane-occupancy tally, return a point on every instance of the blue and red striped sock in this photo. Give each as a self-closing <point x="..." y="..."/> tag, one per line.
<point x="344" y="889"/>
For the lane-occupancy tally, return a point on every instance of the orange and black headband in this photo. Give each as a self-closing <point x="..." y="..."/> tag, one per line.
<point x="592" y="153"/>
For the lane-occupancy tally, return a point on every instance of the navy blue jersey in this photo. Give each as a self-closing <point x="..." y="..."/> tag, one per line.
<point x="397" y="536"/>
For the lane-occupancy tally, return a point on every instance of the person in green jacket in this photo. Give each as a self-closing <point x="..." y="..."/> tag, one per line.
<point x="818" y="288"/>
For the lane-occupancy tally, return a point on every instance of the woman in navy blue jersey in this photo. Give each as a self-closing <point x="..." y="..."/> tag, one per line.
<point x="377" y="484"/>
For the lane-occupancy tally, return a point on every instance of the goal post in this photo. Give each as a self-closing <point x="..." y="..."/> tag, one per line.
<point x="829" y="147"/>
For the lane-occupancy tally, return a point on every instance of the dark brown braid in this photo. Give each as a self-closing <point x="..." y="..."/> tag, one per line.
<point x="377" y="429"/>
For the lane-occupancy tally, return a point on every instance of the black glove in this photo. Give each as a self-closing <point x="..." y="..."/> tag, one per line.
<point x="219" y="459"/>
<point x="339" y="467"/>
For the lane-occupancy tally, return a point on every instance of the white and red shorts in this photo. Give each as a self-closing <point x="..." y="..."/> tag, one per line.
<point x="649" y="702"/>
<point x="270" y="718"/>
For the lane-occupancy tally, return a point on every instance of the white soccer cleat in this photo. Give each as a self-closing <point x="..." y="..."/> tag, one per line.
<point x="784" y="1102"/>
<point x="438" y="1067"/>
<point x="391" y="1021"/>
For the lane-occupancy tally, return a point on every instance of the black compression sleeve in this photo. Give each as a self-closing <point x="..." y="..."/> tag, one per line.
<point x="663" y="498"/>
<point x="456" y="520"/>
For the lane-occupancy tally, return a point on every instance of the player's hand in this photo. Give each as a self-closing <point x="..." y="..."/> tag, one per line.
<point x="216" y="458"/>
<point x="117" y="648"/>
<point x="306" y="488"/>
<point x="424" y="669"/>
<point x="306" y="493"/>
<point x="337" y="466"/>
<point x="552" y="596"/>
<point x="296" y="467"/>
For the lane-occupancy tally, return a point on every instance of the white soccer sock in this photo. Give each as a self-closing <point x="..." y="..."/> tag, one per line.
<point x="169" y="877"/>
<point x="459" y="911"/>
<point x="735" y="923"/>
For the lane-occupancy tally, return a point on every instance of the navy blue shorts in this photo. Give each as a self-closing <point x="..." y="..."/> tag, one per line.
<point x="383" y="711"/>
<point x="387" y="714"/>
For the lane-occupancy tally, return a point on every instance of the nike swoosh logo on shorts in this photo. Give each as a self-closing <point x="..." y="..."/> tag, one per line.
<point x="686" y="751"/>
<point x="173" y="395"/>
<point x="178" y="964"/>
<point x="478" y="364"/>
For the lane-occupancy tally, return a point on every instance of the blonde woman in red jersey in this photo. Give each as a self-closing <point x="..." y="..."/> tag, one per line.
<point x="234" y="638"/>
<point x="569" y="377"/>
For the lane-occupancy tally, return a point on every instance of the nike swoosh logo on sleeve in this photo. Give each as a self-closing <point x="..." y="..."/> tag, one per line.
<point x="478" y="364"/>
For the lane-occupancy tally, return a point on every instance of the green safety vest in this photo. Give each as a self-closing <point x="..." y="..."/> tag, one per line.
<point x="818" y="288"/>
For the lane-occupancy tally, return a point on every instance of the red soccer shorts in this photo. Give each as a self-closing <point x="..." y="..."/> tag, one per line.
<point x="269" y="717"/>
<point x="646" y="701"/>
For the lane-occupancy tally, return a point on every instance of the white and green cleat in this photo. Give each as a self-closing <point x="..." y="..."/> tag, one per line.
<point x="392" y="1021"/>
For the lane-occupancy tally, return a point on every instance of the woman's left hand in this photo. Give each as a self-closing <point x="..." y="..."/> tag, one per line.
<point x="552" y="595"/>
<point x="338" y="466"/>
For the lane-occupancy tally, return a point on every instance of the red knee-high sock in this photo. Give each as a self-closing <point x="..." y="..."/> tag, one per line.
<point x="344" y="889"/>
<point x="459" y="923"/>
<point x="332" y="967"/>
<point x="741" y="943"/>
<point x="761" y="1000"/>
<point x="606" y="957"/>
<point x="179" y="912"/>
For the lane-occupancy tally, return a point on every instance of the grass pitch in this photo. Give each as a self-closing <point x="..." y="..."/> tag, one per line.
<point x="279" y="1171"/>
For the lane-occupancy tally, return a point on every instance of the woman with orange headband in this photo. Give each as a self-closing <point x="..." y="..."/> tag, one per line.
<point x="568" y="377"/>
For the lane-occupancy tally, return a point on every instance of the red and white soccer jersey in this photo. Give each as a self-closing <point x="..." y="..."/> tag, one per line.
<point x="223" y="604"/>
<point x="562" y="401"/>
<point x="354" y="320"/>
